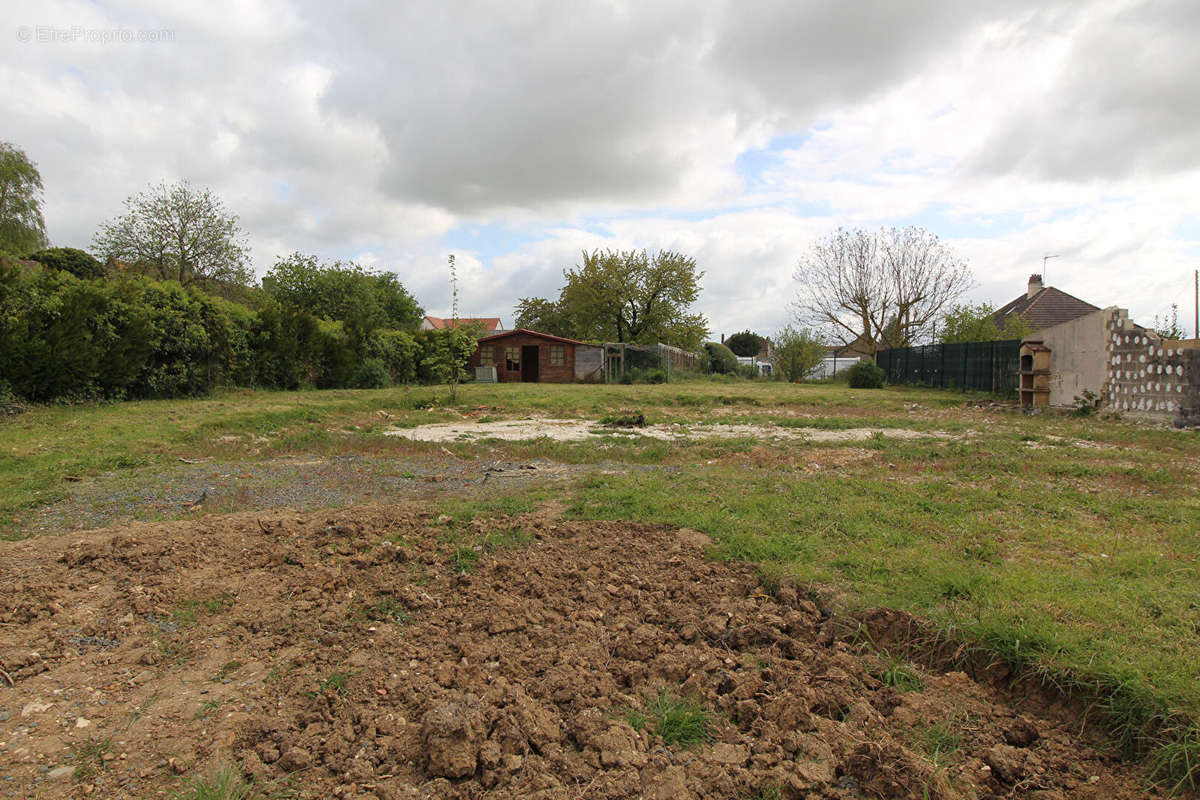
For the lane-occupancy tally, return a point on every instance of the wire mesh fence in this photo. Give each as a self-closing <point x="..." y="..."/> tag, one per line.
<point x="984" y="366"/>
<point x="655" y="363"/>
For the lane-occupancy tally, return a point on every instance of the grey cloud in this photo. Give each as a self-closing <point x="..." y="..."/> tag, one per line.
<point x="1125" y="103"/>
<point x="556" y="103"/>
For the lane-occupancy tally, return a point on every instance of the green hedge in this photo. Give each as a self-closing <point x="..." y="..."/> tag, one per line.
<point x="720" y="359"/>
<point x="66" y="338"/>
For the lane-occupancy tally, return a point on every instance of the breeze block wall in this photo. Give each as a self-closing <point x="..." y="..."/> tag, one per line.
<point x="1151" y="377"/>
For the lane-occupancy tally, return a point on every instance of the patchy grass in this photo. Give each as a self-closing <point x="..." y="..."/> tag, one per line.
<point x="228" y="783"/>
<point x="901" y="675"/>
<point x="338" y="682"/>
<point x="939" y="741"/>
<point x="679" y="721"/>
<point x="88" y="757"/>
<point x="389" y="609"/>
<point x="1064" y="545"/>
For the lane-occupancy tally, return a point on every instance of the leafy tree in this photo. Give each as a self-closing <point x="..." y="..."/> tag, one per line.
<point x="797" y="351"/>
<point x="974" y="323"/>
<point x="745" y="343"/>
<point x="542" y="315"/>
<point x="79" y="263"/>
<point x="627" y="296"/>
<point x="178" y="233"/>
<point x="1169" y="327"/>
<point x="364" y="301"/>
<point x="880" y="289"/>
<point x="22" y="227"/>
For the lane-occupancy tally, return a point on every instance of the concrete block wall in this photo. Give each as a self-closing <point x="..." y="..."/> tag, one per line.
<point x="1148" y="376"/>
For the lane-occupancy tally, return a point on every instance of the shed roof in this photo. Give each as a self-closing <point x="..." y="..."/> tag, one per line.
<point x="527" y="332"/>
<point x="439" y="323"/>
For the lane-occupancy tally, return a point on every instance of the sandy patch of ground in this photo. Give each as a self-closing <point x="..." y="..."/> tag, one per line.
<point x="574" y="430"/>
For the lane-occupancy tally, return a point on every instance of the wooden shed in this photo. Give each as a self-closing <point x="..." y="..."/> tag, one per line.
<point x="531" y="357"/>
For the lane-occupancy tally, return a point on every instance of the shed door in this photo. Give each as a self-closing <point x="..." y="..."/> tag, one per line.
<point x="529" y="363"/>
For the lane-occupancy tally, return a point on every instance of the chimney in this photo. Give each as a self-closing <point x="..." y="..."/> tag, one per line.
<point x="1035" y="285"/>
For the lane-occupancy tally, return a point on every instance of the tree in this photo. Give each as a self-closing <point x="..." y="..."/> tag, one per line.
<point x="180" y="234"/>
<point x="79" y="263"/>
<point x="627" y="296"/>
<point x="879" y="289"/>
<point x="797" y="351"/>
<point x="545" y="316"/>
<point x="974" y="323"/>
<point x="452" y="347"/>
<point x="745" y="343"/>
<point x="22" y="227"/>
<point x="1169" y="327"/>
<point x="342" y="290"/>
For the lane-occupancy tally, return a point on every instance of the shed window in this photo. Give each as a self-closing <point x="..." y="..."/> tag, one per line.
<point x="557" y="355"/>
<point x="487" y="355"/>
<point x="512" y="358"/>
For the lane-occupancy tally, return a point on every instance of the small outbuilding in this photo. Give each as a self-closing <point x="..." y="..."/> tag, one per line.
<point x="531" y="357"/>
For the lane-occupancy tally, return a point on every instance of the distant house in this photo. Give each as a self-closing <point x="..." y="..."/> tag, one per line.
<point x="531" y="357"/>
<point x="1043" y="307"/>
<point x="861" y="347"/>
<point x="489" y="325"/>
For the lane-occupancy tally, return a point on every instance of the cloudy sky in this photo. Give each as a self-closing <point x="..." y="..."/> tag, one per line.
<point x="517" y="134"/>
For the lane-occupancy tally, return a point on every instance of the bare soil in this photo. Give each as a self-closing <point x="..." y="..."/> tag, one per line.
<point x="349" y="651"/>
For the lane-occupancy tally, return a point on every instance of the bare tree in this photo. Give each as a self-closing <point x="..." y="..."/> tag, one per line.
<point x="882" y="288"/>
<point x="180" y="233"/>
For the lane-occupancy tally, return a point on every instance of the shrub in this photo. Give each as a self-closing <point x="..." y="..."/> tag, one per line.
<point x="398" y="351"/>
<point x="747" y="371"/>
<point x="721" y="359"/>
<point x="865" y="375"/>
<point x="371" y="373"/>
<point x="69" y="259"/>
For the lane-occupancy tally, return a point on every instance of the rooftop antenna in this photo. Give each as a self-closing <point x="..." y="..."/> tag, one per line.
<point x="1044" y="260"/>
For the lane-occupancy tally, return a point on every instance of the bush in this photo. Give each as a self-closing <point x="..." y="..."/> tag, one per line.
<point x="645" y="375"/>
<point x="65" y="338"/>
<point x="399" y="352"/>
<point x="68" y="259"/>
<point x="371" y="373"/>
<point x="865" y="375"/>
<point x="721" y="359"/>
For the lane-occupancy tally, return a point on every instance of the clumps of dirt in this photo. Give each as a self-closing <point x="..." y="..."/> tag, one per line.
<point x="384" y="653"/>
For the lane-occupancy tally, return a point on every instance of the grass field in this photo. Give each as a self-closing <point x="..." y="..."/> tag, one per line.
<point x="1067" y="546"/>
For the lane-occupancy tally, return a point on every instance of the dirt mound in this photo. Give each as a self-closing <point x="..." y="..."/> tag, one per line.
<point x="387" y="653"/>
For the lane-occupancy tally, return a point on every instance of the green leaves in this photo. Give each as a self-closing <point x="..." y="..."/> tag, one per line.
<point x="22" y="227"/>
<point x="180" y="233"/>
<point x="627" y="296"/>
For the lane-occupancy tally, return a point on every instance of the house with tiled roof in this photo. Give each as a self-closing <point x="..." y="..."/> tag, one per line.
<point x="1043" y="307"/>
<point x="489" y="325"/>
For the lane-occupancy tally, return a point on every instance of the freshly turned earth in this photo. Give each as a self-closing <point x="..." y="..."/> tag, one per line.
<point x="343" y="648"/>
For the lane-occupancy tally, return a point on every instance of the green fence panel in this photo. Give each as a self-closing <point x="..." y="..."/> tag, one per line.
<point x="983" y="366"/>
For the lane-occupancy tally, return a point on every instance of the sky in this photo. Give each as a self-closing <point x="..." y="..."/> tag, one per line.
<point x="516" y="135"/>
